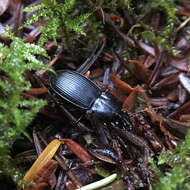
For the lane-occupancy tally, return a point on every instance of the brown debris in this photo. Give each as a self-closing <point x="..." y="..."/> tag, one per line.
<point x="129" y="102"/>
<point x="155" y="80"/>
<point x="143" y="72"/>
<point x="120" y="84"/>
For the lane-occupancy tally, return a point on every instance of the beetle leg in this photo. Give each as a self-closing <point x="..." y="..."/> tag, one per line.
<point x="74" y="121"/>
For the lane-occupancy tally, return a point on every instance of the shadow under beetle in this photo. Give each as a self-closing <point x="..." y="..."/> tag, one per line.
<point x="86" y="95"/>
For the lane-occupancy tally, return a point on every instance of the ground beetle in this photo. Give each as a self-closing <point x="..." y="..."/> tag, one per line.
<point x="86" y="95"/>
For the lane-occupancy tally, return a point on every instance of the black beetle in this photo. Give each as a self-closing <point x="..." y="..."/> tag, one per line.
<point x="85" y="94"/>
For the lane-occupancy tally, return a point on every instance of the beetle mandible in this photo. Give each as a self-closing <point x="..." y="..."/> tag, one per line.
<point x="86" y="95"/>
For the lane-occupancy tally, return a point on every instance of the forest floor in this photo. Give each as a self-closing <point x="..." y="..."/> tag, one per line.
<point x="135" y="52"/>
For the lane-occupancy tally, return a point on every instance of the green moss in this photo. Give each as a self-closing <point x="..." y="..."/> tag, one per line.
<point x="16" y="112"/>
<point x="126" y="4"/>
<point x="59" y="20"/>
<point x="170" y="8"/>
<point x="160" y="40"/>
<point x="178" y="177"/>
<point x="162" y="36"/>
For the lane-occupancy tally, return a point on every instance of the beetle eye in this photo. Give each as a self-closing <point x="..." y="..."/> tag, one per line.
<point x="75" y="88"/>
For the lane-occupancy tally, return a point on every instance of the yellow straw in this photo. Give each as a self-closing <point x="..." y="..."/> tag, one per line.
<point x="44" y="157"/>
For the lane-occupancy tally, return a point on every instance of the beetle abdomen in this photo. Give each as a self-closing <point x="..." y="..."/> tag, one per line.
<point x="75" y="88"/>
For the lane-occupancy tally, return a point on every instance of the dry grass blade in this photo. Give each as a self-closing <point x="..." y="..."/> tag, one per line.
<point x="42" y="160"/>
